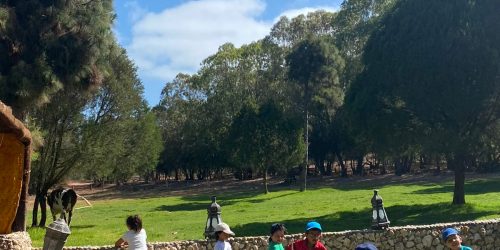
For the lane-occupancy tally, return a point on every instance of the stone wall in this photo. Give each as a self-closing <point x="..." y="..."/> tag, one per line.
<point x="15" y="241"/>
<point x="481" y="235"/>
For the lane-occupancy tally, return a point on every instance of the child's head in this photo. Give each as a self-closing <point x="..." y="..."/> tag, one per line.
<point x="223" y="232"/>
<point x="278" y="231"/>
<point x="366" y="246"/>
<point x="451" y="238"/>
<point x="313" y="232"/>
<point x="134" y="223"/>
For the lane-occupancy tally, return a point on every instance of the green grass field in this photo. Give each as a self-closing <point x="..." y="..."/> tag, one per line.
<point x="342" y="207"/>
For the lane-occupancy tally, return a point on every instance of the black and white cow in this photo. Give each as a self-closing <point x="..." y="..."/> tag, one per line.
<point x="62" y="201"/>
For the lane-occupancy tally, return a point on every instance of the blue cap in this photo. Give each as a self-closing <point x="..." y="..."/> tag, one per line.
<point x="366" y="246"/>
<point x="313" y="225"/>
<point x="449" y="232"/>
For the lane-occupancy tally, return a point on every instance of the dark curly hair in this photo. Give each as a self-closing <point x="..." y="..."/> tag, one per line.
<point x="277" y="227"/>
<point x="134" y="222"/>
<point x="217" y="235"/>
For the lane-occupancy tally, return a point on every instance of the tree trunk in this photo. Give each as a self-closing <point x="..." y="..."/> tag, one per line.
<point x="266" y="190"/>
<point x="320" y="164"/>
<point x="43" y="209"/>
<point x="34" y="219"/>
<point x="19" y="224"/>
<point x="359" y="166"/>
<point x="402" y="165"/>
<point x="449" y="162"/>
<point x="438" y="165"/>
<point x="343" y="170"/>
<point x="304" y="187"/>
<point x="459" y="190"/>
<point x="384" y="166"/>
<point x="329" y="167"/>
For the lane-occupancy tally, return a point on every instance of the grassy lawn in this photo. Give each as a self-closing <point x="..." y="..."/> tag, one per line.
<point x="341" y="207"/>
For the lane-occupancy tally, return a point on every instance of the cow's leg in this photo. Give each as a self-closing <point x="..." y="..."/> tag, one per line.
<point x="63" y="215"/>
<point x="69" y="216"/>
<point x="53" y="214"/>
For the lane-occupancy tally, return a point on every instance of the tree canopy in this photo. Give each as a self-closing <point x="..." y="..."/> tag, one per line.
<point x="431" y="80"/>
<point x="378" y="85"/>
<point x="47" y="46"/>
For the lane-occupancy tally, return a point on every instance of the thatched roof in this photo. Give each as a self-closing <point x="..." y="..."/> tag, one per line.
<point x="9" y="124"/>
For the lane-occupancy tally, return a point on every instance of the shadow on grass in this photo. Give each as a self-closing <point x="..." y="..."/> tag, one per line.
<point x="201" y="202"/>
<point x="399" y="215"/>
<point x="200" y="191"/>
<point x="471" y="187"/>
<point x="188" y="206"/>
<point x="82" y="226"/>
<point x="381" y="181"/>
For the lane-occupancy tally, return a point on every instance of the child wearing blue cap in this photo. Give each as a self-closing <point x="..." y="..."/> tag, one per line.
<point x="366" y="246"/>
<point x="311" y="242"/>
<point x="453" y="240"/>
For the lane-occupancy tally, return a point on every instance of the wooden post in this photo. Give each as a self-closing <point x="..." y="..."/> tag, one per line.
<point x="19" y="223"/>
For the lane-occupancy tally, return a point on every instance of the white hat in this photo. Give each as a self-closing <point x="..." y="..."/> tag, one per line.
<point x="223" y="227"/>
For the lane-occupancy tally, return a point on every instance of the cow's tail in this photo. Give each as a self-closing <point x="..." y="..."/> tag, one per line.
<point x="86" y="201"/>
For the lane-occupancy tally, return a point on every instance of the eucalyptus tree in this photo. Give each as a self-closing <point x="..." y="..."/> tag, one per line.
<point x="265" y="136"/>
<point x="350" y="28"/>
<point x="229" y="79"/>
<point x="431" y="77"/>
<point x="287" y="32"/>
<point x="315" y="65"/>
<point x="197" y="111"/>
<point x="173" y="112"/>
<point x="206" y="101"/>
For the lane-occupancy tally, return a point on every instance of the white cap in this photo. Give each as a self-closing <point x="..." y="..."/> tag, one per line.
<point x="224" y="228"/>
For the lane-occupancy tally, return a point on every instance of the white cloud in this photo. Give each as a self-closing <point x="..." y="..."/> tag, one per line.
<point x="135" y="12"/>
<point x="178" y="39"/>
<point x="296" y="12"/>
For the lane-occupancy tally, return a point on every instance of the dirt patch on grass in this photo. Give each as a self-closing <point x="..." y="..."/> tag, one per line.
<point x="210" y="187"/>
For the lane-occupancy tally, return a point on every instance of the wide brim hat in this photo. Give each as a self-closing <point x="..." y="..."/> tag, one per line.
<point x="223" y="227"/>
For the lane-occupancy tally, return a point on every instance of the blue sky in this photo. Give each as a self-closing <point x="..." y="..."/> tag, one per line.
<point x="167" y="37"/>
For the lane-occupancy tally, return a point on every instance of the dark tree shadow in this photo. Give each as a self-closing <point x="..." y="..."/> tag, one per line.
<point x="82" y="226"/>
<point x="188" y="206"/>
<point x="399" y="215"/>
<point x="201" y="202"/>
<point x="471" y="187"/>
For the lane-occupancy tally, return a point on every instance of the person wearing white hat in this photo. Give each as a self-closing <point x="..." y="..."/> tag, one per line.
<point x="222" y="233"/>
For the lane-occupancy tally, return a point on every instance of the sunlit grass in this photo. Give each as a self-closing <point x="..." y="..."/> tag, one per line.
<point x="251" y="213"/>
